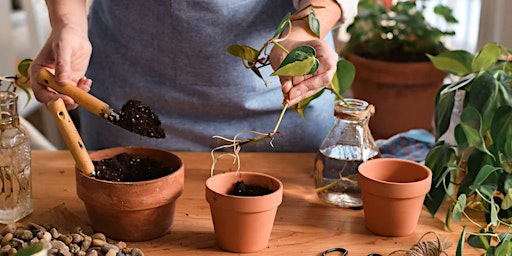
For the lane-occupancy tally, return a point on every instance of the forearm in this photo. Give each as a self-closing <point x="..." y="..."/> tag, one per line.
<point x="328" y="16"/>
<point x="68" y="13"/>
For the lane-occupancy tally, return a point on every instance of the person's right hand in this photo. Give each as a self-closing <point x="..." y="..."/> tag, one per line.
<point x="66" y="53"/>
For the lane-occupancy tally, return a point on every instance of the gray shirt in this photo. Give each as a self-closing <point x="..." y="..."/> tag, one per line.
<point x="171" y="55"/>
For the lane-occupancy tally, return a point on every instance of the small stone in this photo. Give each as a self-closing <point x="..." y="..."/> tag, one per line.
<point x="81" y="253"/>
<point x="111" y="252"/>
<point x="24" y="234"/>
<point x="67" y="239"/>
<point x="121" y="245"/>
<point x="86" y="243"/>
<point x="99" y="236"/>
<point x="12" y="251"/>
<point x="55" y="233"/>
<point x="46" y="236"/>
<point x="9" y="228"/>
<point x="92" y="253"/>
<point x="6" y="239"/>
<point x="98" y="242"/>
<point x="34" y="240"/>
<point x="77" y="238"/>
<point x="17" y="243"/>
<point x="74" y="248"/>
<point x="136" y="252"/>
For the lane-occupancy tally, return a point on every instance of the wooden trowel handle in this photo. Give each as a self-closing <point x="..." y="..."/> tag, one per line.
<point x="82" y="98"/>
<point x="71" y="136"/>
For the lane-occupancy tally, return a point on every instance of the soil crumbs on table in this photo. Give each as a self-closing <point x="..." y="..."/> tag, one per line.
<point x="127" y="168"/>
<point x="139" y="119"/>
<point x="241" y="189"/>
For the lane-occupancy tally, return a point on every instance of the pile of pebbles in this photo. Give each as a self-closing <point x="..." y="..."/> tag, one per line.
<point x="16" y="236"/>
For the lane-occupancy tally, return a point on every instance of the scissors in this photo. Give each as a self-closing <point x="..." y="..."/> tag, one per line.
<point x="343" y="251"/>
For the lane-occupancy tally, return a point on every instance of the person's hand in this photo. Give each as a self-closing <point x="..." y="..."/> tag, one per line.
<point x="66" y="53"/>
<point x="297" y="88"/>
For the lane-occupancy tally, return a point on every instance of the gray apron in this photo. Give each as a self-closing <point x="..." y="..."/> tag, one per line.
<point x="171" y="55"/>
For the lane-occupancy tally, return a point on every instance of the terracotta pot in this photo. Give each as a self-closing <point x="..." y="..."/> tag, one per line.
<point x="243" y="223"/>
<point x="393" y="191"/>
<point x="132" y="211"/>
<point x="403" y="94"/>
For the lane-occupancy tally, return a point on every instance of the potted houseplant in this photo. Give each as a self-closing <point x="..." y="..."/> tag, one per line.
<point x="474" y="173"/>
<point x="388" y="46"/>
<point x="251" y="234"/>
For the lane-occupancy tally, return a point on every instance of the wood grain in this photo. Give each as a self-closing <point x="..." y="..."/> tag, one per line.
<point x="304" y="224"/>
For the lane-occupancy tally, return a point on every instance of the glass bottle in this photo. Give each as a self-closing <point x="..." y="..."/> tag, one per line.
<point x="15" y="156"/>
<point x="346" y="146"/>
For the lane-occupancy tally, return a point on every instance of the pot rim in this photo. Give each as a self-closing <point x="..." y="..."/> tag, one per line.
<point x="127" y="149"/>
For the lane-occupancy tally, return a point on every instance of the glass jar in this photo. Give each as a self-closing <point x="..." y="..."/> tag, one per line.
<point x="346" y="146"/>
<point x="15" y="177"/>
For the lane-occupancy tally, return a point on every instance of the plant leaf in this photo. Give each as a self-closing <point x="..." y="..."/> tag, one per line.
<point x="480" y="240"/>
<point x="438" y="159"/>
<point x="504" y="248"/>
<point x="443" y="111"/>
<point x="344" y="76"/>
<point x="486" y="57"/>
<point x="23" y="67"/>
<point x="300" y="61"/>
<point x="282" y="25"/>
<point x="314" y="24"/>
<point x="459" y="207"/>
<point x="483" y="97"/>
<point x="244" y="52"/>
<point x="471" y="122"/>
<point x="454" y="62"/>
<point x="501" y="130"/>
<point x="460" y="244"/>
<point x="303" y="104"/>
<point x="507" y="201"/>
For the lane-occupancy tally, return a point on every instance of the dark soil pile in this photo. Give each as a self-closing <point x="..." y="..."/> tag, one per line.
<point x="139" y="119"/>
<point x="128" y="168"/>
<point x="241" y="189"/>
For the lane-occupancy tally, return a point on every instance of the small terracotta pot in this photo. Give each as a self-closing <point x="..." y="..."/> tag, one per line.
<point x="132" y="211"/>
<point x="243" y="223"/>
<point x="393" y="191"/>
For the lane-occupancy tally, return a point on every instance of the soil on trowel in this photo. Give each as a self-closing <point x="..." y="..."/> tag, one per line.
<point x="128" y="168"/>
<point x="242" y="189"/>
<point x="139" y="119"/>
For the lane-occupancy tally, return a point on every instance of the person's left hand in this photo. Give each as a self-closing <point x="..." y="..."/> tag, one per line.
<point x="297" y="88"/>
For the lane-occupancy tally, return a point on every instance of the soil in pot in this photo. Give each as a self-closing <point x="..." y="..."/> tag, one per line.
<point x="128" y="168"/>
<point x="242" y="189"/>
<point x="137" y="118"/>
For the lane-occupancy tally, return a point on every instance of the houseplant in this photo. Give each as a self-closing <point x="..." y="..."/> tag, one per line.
<point x="299" y="61"/>
<point x="475" y="173"/>
<point x="388" y="46"/>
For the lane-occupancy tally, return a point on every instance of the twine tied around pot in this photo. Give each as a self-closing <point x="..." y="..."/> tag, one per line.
<point x="368" y="112"/>
<point x="427" y="248"/>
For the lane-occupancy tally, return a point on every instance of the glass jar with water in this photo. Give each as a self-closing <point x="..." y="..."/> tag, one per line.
<point x="15" y="176"/>
<point x="346" y="146"/>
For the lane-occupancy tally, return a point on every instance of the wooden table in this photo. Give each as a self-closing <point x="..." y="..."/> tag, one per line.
<point x="304" y="225"/>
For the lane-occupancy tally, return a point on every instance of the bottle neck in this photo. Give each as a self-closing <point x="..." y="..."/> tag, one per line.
<point x="8" y="108"/>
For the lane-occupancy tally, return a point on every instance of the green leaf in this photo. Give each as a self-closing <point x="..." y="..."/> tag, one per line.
<point x="504" y="249"/>
<point x="501" y="130"/>
<point x="443" y="112"/>
<point x="438" y="159"/>
<point x="486" y="57"/>
<point x="282" y="25"/>
<point x="483" y="97"/>
<point x="244" y="52"/>
<point x="460" y="244"/>
<point x="344" y="76"/>
<point x="471" y="122"/>
<point x="454" y="62"/>
<point x="23" y="67"/>
<point x="303" y="104"/>
<point x="300" y="61"/>
<point x="314" y="23"/>
<point x="30" y="250"/>
<point x="480" y="240"/>
<point x="460" y="205"/>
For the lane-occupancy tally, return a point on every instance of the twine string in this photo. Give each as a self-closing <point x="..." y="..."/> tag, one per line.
<point x="427" y="248"/>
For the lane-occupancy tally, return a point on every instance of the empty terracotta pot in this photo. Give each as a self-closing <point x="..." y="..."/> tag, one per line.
<point x="393" y="191"/>
<point x="132" y="211"/>
<point x="243" y="223"/>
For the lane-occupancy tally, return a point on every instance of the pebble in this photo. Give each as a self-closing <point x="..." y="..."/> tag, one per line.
<point x="16" y="236"/>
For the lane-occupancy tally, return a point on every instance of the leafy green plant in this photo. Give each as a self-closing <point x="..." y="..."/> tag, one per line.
<point x="298" y="62"/>
<point x="20" y="80"/>
<point x="475" y="174"/>
<point x="396" y="32"/>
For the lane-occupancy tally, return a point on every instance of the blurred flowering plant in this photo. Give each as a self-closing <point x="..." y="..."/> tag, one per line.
<point x="394" y="30"/>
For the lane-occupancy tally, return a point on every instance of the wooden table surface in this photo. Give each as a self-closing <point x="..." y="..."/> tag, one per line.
<point x="304" y="225"/>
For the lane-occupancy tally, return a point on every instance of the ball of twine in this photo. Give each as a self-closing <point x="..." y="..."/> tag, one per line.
<point x="427" y="248"/>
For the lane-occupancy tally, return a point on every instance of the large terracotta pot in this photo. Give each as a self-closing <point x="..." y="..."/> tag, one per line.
<point x="132" y="211"/>
<point x="393" y="191"/>
<point x="403" y="94"/>
<point x="243" y="223"/>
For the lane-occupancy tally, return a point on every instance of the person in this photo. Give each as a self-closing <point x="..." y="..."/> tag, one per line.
<point x="171" y="56"/>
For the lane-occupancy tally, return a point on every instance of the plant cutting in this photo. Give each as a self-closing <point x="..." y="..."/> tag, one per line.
<point x="475" y="173"/>
<point x="236" y="217"/>
<point x="388" y="46"/>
